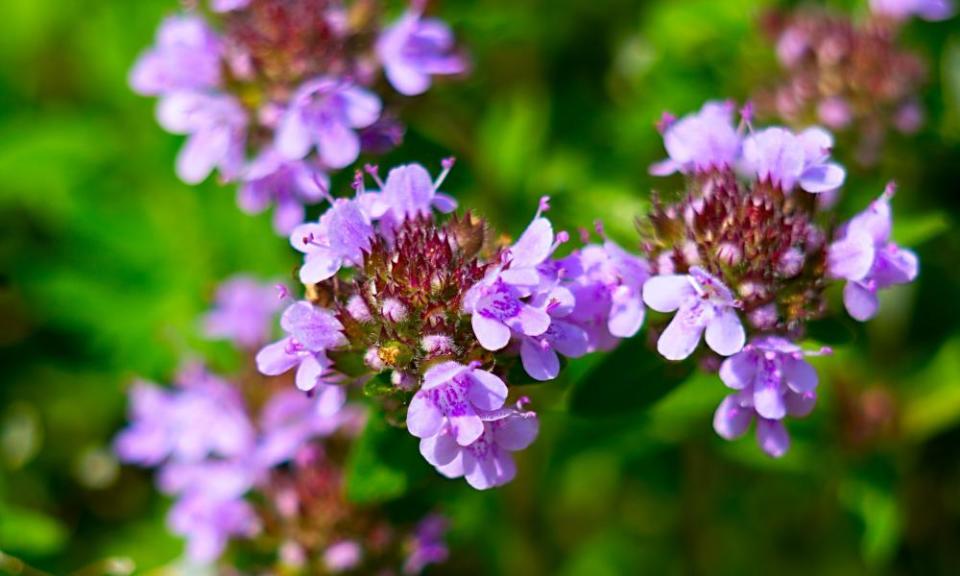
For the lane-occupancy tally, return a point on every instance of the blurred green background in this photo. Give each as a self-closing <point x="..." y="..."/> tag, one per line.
<point x="107" y="260"/>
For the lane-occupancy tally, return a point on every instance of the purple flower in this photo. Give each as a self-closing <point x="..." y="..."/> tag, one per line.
<point x="243" y="312"/>
<point x="326" y="112"/>
<point x="785" y="159"/>
<point x="186" y="58"/>
<point x="291" y="184"/>
<point x="228" y="5"/>
<point x="209" y="524"/>
<point x="216" y="125"/>
<point x="453" y="395"/>
<point x="497" y="309"/>
<point x="414" y="48"/>
<point x="773" y="381"/>
<point x="292" y="418"/>
<point x="868" y="260"/>
<point x="607" y="283"/>
<point x="539" y="353"/>
<point x="409" y="192"/>
<point x="701" y="141"/>
<point x="342" y="556"/>
<point x="487" y="461"/>
<point x="311" y="332"/>
<point x="702" y="303"/>
<point x="204" y="416"/>
<point x="428" y="544"/>
<point x="340" y="238"/>
<point x="903" y="9"/>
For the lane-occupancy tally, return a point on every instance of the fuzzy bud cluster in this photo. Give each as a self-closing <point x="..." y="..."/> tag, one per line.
<point x="276" y="94"/>
<point x="850" y="76"/>
<point x="743" y="257"/>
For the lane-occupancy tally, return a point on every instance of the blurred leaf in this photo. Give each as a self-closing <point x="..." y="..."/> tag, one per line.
<point x="28" y="531"/>
<point x="629" y="379"/>
<point x="877" y="508"/>
<point x="916" y="229"/>
<point x="834" y="330"/>
<point x="934" y="397"/>
<point x="383" y="464"/>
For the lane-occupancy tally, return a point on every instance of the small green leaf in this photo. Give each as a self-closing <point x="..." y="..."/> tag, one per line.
<point x="630" y="379"/>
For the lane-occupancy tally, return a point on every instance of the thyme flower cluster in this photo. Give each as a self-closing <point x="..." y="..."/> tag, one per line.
<point x="432" y="315"/>
<point x="744" y="255"/>
<point x="276" y="94"/>
<point x="252" y="462"/>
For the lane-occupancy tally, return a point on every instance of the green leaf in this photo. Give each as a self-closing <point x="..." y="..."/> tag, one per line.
<point x="913" y="230"/>
<point x="27" y="531"/>
<point x="630" y="379"/>
<point x="383" y="464"/>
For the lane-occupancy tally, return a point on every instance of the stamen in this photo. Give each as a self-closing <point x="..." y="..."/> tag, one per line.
<point x="357" y="184"/>
<point x="324" y="190"/>
<point x="665" y="122"/>
<point x="447" y="164"/>
<point x="543" y="206"/>
<point x="374" y="171"/>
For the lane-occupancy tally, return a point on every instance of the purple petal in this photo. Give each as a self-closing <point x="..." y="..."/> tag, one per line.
<point x="337" y="145"/>
<point x="492" y="334"/>
<point x="541" y="363"/>
<point x="516" y="432"/>
<point x="534" y="246"/>
<point x="666" y="293"/>
<point x="725" y="333"/>
<point x="531" y="321"/>
<point x="768" y="395"/>
<point x="491" y="470"/>
<point x="800" y="405"/>
<point x="424" y="418"/>
<point x="319" y="266"/>
<point x="467" y="427"/>
<point x="626" y="314"/>
<point x="861" y="302"/>
<point x="772" y="437"/>
<point x="273" y="359"/>
<point x="822" y="178"/>
<point x="680" y="338"/>
<point x="738" y="371"/>
<point x="309" y="373"/>
<point x="293" y="137"/>
<point x="439" y="449"/>
<point x="731" y="420"/>
<point x="488" y="392"/>
<point x="852" y="257"/>
<point x="799" y="375"/>
<point x="442" y="374"/>
<point x="894" y="265"/>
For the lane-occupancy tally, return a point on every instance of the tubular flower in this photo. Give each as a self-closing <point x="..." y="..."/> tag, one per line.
<point x="291" y="84"/>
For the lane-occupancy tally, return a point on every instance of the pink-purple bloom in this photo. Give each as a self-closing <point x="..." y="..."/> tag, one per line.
<point x="607" y="284"/>
<point x="428" y="544"/>
<point x="702" y="303"/>
<point x="903" y="9"/>
<point x="216" y="126"/>
<point x="700" y="141"/>
<point x="785" y="159"/>
<point x="487" y="461"/>
<point x="414" y="49"/>
<point x="290" y="184"/>
<point x="773" y="381"/>
<point x="186" y="58"/>
<point x="864" y="255"/>
<point x="539" y="353"/>
<point x="311" y="331"/>
<point x="243" y="312"/>
<point x="326" y="113"/>
<point x="452" y="397"/>
<point x="339" y="239"/>
<point x="205" y="416"/>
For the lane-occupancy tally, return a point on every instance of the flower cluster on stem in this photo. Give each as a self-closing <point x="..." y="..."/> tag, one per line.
<point x="276" y="94"/>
